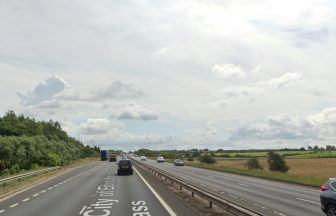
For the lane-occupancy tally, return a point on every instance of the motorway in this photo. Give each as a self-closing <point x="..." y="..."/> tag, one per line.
<point x="264" y="196"/>
<point x="91" y="189"/>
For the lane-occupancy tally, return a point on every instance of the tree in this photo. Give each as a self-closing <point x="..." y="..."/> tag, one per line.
<point x="253" y="163"/>
<point x="277" y="162"/>
<point x="207" y="158"/>
<point x="26" y="143"/>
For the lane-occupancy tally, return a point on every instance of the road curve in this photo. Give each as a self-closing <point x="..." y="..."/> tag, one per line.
<point x="267" y="197"/>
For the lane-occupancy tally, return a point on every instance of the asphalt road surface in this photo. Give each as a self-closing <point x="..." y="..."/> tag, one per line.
<point x="92" y="189"/>
<point x="267" y="197"/>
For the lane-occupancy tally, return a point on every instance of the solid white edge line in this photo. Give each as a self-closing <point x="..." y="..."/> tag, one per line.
<point x="163" y="203"/>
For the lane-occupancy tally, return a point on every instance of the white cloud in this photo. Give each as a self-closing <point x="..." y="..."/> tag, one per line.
<point x="100" y="126"/>
<point x="162" y="51"/>
<point x="210" y="128"/>
<point x="320" y="126"/>
<point x="251" y="92"/>
<point x="45" y="90"/>
<point x="113" y="92"/>
<point x="132" y="111"/>
<point x="294" y="78"/>
<point x="119" y="90"/>
<point x="228" y="71"/>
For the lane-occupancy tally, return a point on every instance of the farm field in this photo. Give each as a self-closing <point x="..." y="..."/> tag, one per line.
<point x="311" y="169"/>
<point x="288" y="154"/>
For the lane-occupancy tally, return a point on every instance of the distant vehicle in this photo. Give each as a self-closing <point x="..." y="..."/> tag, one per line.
<point x="103" y="155"/>
<point x="113" y="157"/>
<point x="328" y="197"/>
<point x="125" y="167"/>
<point x="178" y="162"/>
<point x="160" y="159"/>
<point x="143" y="158"/>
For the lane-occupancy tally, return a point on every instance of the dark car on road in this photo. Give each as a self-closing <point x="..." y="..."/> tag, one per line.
<point x="178" y="162"/>
<point x="328" y="197"/>
<point x="125" y="167"/>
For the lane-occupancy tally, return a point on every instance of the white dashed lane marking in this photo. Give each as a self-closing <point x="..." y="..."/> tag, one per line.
<point x="43" y="191"/>
<point x="308" y="201"/>
<point x="12" y="206"/>
<point x="244" y="185"/>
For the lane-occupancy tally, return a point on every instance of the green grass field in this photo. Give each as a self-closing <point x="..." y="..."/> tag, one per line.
<point x="288" y="154"/>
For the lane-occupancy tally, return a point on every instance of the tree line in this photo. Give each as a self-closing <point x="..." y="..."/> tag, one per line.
<point x="26" y="143"/>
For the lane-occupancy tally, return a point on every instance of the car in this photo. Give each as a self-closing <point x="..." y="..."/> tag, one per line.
<point x="125" y="167"/>
<point x="143" y="158"/>
<point x="178" y="162"/>
<point x="160" y="159"/>
<point x="328" y="197"/>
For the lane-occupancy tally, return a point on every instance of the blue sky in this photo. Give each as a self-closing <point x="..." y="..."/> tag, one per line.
<point x="174" y="74"/>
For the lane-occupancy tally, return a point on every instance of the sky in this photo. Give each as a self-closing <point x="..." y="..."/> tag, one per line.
<point x="174" y="74"/>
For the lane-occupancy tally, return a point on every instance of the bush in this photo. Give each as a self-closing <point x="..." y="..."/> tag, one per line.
<point x="206" y="158"/>
<point x="190" y="159"/>
<point x="253" y="163"/>
<point x="14" y="169"/>
<point x="4" y="172"/>
<point x="276" y="162"/>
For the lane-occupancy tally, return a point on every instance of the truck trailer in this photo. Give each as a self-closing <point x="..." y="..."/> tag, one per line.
<point x="104" y="155"/>
<point x="113" y="157"/>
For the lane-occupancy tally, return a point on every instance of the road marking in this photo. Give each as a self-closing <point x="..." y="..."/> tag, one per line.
<point x="43" y="191"/>
<point x="164" y="204"/>
<point x="83" y="209"/>
<point x="12" y="206"/>
<point x="35" y="195"/>
<point x="50" y="188"/>
<point x="245" y="185"/>
<point x="308" y="201"/>
<point x="2" y="211"/>
<point x="25" y="199"/>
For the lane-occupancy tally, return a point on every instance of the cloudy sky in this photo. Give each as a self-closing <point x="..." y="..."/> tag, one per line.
<point x="174" y="74"/>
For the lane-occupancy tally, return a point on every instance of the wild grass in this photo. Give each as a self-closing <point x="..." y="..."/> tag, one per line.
<point x="312" y="172"/>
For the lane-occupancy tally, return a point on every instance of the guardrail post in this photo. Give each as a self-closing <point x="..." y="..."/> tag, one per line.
<point x="192" y="194"/>
<point x="180" y="187"/>
<point x="210" y="204"/>
<point x="4" y="184"/>
<point x="172" y="182"/>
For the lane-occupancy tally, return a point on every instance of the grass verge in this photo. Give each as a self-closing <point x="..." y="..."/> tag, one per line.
<point x="308" y="181"/>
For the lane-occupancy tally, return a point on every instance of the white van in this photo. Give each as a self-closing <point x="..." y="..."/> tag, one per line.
<point x="160" y="159"/>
